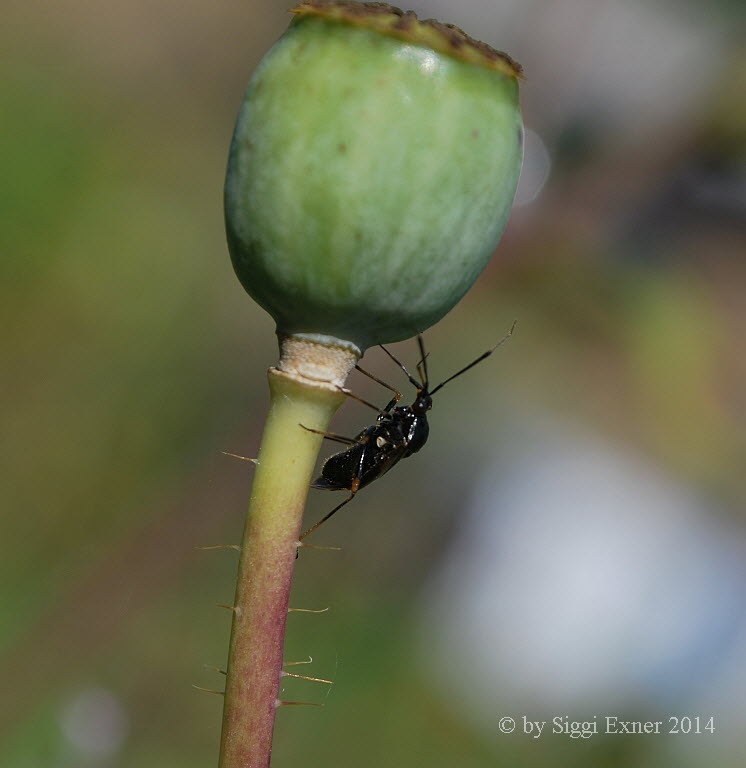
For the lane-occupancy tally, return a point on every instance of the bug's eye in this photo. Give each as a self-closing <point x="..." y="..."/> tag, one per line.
<point x="423" y="404"/>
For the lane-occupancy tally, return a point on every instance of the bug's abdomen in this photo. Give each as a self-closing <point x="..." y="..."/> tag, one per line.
<point x="339" y="469"/>
<point x="380" y="447"/>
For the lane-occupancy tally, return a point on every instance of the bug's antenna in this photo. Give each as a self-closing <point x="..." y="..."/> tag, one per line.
<point x="478" y="360"/>
<point x="422" y="365"/>
<point x="411" y="378"/>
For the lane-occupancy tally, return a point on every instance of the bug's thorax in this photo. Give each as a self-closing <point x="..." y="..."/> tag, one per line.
<point x="410" y="421"/>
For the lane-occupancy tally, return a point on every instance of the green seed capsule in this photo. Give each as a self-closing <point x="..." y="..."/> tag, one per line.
<point x="373" y="165"/>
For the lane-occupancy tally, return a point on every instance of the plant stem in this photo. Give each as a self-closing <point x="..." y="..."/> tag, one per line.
<point x="285" y="465"/>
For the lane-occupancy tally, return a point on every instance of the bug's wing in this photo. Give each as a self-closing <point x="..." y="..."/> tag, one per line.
<point x="324" y="484"/>
<point x="377" y="463"/>
<point x="339" y="469"/>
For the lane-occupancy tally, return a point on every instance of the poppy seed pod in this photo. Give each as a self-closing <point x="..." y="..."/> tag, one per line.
<point x="372" y="169"/>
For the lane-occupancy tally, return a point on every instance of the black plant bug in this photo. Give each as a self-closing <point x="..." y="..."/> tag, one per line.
<point x="399" y="431"/>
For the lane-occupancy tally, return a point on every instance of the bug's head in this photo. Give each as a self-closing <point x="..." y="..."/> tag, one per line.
<point x="423" y="402"/>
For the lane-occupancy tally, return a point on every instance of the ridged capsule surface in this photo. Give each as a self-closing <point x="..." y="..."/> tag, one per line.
<point x="370" y="177"/>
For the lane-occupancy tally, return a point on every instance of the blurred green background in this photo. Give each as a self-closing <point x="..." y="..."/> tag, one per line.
<point x="132" y="358"/>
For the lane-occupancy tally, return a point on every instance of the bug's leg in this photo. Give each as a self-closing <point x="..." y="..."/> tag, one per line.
<point x="347" y="392"/>
<point x="411" y="378"/>
<point x="397" y="394"/>
<point x="327" y="516"/>
<point x="331" y="436"/>
<point x="354" y="486"/>
<point x="420" y="369"/>
<point x="422" y="365"/>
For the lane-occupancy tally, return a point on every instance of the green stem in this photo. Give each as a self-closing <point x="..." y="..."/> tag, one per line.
<point x="285" y="465"/>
